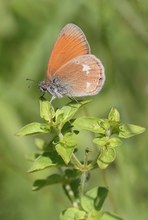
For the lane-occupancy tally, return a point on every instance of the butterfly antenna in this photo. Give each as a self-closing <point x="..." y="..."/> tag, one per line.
<point x="31" y="81"/>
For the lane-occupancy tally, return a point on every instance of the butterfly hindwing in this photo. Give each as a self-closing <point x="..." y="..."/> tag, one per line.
<point x="82" y="76"/>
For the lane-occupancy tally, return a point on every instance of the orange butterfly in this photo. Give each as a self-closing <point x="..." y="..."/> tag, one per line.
<point x="72" y="70"/>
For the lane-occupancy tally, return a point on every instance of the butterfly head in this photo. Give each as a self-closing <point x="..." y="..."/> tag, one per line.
<point x="54" y="87"/>
<point x="43" y="86"/>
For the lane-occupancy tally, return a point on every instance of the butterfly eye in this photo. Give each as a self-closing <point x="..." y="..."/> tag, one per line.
<point x="43" y="87"/>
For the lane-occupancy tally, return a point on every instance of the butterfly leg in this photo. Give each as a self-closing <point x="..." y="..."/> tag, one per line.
<point x="73" y="98"/>
<point x="52" y="98"/>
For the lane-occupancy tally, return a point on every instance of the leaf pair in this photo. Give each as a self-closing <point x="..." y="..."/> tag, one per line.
<point x="53" y="119"/>
<point x="91" y="204"/>
<point x="108" y="131"/>
<point x="112" y="125"/>
<point x="54" y="122"/>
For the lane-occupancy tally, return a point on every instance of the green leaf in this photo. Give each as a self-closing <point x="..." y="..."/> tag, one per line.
<point x="114" y="127"/>
<point x="101" y="196"/>
<point x="129" y="130"/>
<point x="46" y="160"/>
<point x="64" y="152"/>
<point x="73" y="214"/>
<point x="46" y="110"/>
<point x="94" y="199"/>
<point x="67" y="112"/>
<point x="34" y="128"/>
<point x="110" y="216"/>
<point x="52" y="179"/>
<point x="66" y="146"/>
<point x="114" y="115"/>
<point x="68" y="140"/>
<point x="88" y="200"/>
<point x="89" y="123"/>
<point x="114" y="142"/>
<point x="106" y="157"/>
<point x="104" y="123"/>
<point x="102" y="141"/>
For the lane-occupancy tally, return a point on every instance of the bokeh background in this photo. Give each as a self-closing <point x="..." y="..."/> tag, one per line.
<point x="117" y="33"/>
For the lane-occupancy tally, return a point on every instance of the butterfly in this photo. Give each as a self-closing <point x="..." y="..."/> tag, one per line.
<point x="72" y="70"/>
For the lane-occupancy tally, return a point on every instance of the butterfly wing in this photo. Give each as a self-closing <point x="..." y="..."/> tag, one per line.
<point x="82" y="76"/>
<point x="70" y="43"/>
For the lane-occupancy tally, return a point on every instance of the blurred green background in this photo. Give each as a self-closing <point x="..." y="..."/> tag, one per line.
<point x="117" y="33"/>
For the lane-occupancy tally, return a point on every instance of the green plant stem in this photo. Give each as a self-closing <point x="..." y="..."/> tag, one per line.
<point x="92" y="165"/>
<point x="76" y="162"/>
<point x="82" y="184"/>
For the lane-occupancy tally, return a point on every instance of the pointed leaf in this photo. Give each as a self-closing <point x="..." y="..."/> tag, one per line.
<point x="114" y="115"/>
<point x="129" y="130"/>
<point x="101" y="196"/>
<point x="67" y="112"/>
<point x="102" y="141"/>
<point x="68" y="140"/>
<point x="34" y="128"/>
<point x="106" y="157"/>
<point x="46" y="160"/>
<point x="89" y="123"/>
<point x="46" y="109"/>
<point x="66" y="146"/>
<point x="64" y="152"/>
<point x="52" y="179"/>
<point x="114" y="142"/>
<point x="94" y="199"/>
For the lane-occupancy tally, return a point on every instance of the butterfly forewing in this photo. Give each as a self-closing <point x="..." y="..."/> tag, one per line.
<point x="82" y="76"/>
<point x="70" y="44"/>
